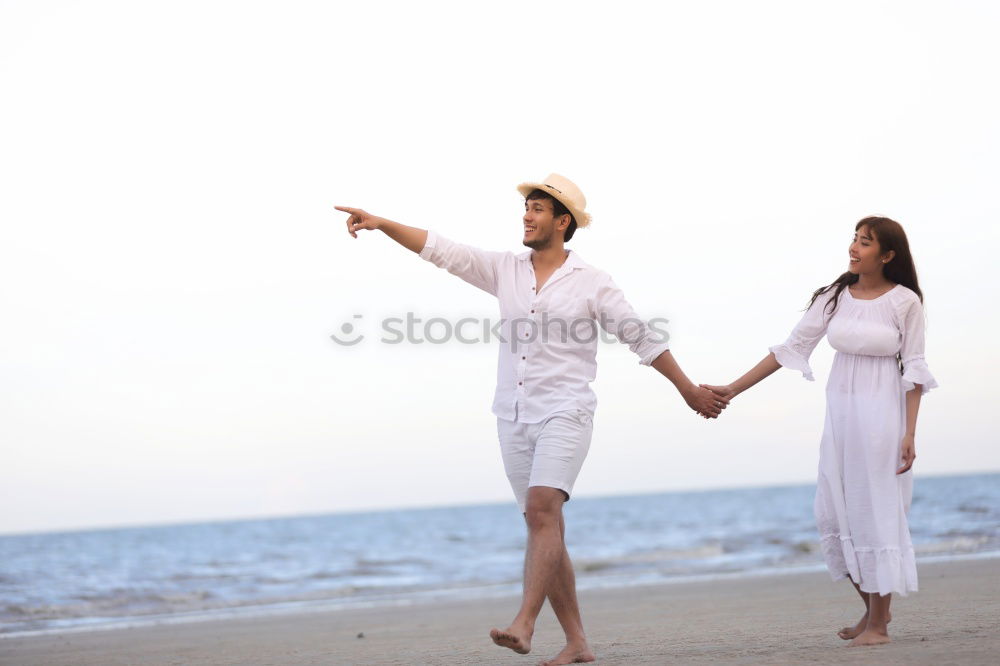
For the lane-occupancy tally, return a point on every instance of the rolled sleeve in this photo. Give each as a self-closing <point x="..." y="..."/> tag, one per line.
<point x="654" y="353"/>
<point x="429" y="244"/>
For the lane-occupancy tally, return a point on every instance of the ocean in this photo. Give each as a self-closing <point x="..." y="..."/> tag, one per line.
<point x="94" y="579"/>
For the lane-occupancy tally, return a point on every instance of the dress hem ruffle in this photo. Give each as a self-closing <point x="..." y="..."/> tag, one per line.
<point x="885" y="570"/>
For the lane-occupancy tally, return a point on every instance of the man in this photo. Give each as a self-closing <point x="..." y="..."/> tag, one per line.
<point x="549" y="301"/>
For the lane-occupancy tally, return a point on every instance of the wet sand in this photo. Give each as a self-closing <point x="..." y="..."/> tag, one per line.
<point x="786" y="619"/>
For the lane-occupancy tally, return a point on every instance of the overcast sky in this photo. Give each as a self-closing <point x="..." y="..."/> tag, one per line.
<point x="172" y="265"/>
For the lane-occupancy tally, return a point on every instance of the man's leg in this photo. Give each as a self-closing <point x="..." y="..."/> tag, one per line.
<point x="562" y="597"/>
<point x="558" y="448"/>
<point x="542" y="561"/>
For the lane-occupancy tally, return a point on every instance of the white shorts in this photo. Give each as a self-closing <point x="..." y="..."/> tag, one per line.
<point x="549" y="453"/>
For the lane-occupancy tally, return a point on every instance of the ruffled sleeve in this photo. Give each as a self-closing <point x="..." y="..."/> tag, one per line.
<point x="915" y="370"/>
<point x="794" y="353"/>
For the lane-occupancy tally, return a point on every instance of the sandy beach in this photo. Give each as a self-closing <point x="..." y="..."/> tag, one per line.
<point x="785" y="619"/>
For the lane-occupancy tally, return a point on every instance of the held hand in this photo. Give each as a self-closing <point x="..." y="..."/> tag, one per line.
<point x="727" y="391"/>
<point x="705" y="402"/>
<point x="908" y="453"/>
<point x="359" y="219"/>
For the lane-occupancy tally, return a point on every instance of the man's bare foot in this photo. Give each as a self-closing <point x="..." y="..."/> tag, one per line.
<point x="847" y="633"/>
<point x="869" y="637"/>
<point x="511" y="638"/>
<point x="571" y="654"/>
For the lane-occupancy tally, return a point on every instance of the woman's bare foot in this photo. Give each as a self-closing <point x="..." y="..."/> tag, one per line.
<point x="847" y="633"/>
<point x="870" y="637"/>
<point x="516" y="640"/>
<point x="571" y="654"/>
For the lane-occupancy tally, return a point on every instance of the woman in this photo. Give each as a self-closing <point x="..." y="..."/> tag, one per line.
<point x="873" y="316"/>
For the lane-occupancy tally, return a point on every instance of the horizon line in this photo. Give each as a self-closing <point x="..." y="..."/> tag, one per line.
<point x="418" y="507"/>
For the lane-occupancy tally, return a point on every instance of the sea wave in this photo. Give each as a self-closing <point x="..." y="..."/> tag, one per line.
<point x="89" y="579"/>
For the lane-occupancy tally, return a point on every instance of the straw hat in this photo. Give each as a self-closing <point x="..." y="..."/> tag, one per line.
<point x="565" y="191"/>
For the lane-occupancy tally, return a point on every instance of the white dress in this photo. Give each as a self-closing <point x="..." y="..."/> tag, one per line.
<point x="861" y="503"/>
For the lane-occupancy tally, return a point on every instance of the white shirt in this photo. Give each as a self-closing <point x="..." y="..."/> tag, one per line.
<point x="548" y="348"/>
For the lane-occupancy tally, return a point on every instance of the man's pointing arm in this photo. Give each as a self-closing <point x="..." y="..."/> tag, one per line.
<point x="411" y="238"/>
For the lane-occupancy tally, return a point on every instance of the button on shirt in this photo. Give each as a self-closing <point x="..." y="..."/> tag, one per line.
<point x="548" y="345"/>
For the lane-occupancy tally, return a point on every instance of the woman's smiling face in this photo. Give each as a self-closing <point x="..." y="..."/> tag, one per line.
<point x="865" y="253"/>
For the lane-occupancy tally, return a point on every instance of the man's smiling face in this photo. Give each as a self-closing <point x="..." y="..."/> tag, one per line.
<point x="540" y="224"/>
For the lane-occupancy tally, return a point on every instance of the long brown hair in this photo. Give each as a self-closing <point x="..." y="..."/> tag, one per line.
<point x="900" y="269"/>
